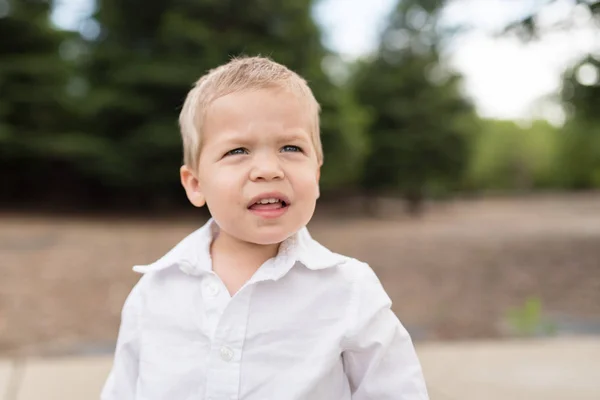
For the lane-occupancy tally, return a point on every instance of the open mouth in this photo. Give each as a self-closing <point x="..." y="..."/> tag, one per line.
<point x="269" y="203"/>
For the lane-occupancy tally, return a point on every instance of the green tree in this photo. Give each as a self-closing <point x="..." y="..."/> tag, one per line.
<point x="579" y="156"/>
<point x="417" y="134"/>
<point x="34" y="101"/>
<point x="143" y="63"/>
<point x="507" y="157"/>
<point x="580" y="150"/>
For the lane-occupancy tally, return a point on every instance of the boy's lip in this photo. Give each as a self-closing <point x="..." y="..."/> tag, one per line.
<point x="269" y="195"/>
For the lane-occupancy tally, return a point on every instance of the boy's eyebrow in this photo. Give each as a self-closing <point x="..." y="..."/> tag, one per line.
<point x="228" y="137"/>
<point x="296" y="134"/>
<point x="231" y="136"/>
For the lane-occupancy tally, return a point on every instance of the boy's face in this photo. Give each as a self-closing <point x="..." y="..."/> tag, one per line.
<point x="258" y="171"/>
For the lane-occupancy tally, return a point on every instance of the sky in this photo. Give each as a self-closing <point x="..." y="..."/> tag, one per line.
<point x="505" y="78"/>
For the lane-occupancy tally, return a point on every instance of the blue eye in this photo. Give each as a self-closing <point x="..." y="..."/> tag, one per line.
<point x="239" y="150"/>
<point x="293" y="149"/>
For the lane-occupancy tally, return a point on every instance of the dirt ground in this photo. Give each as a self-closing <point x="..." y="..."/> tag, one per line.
<point x="451" y="274"/>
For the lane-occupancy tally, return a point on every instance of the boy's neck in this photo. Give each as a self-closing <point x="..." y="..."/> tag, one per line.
<point x="227" y="244"/>
<point x="235" y="261"/>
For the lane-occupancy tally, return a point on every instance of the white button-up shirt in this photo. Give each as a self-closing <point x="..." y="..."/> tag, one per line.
<point x="310" y="324"/>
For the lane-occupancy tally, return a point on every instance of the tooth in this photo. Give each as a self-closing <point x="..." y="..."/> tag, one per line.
<point x="268" y="201"/>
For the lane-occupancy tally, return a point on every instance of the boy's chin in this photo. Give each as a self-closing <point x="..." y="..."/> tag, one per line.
<point x="269" y="235"/>
<point x="266" y="239"/>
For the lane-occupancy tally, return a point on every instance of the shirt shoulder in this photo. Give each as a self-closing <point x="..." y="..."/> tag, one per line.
<point x="360" y="280"/>
<point x="353" y="270"/>
<point x="357" y="270"/>
<point x="365" y="286"/>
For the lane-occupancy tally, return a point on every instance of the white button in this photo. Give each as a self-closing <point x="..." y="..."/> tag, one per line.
<point x="226" y="353"/>
<point x="187" y="269"/>
<point x="212" y="289"/>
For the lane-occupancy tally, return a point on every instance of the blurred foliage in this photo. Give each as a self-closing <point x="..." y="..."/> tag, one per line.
<point x="577" y="161"/>
<point x="580" y="156"/>
<point x="33" y="103"/>
<point x="527" y="320"/>
<point x="505" y="156"/>
<point x="529" y="27"/>
<point x="142" y="65"/>
<point x="127" y="76"/>
<point x="417" y="136"/>
<point x="89" y="118"/>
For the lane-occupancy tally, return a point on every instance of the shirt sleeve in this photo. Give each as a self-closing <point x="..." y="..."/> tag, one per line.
<point x="379" y="357"/>
<point x="122" y="379"/>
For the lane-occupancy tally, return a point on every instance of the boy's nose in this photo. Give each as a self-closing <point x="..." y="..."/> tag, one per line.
<point x="266" y="168"/>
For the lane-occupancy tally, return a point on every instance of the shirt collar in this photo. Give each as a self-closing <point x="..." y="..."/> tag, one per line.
<point x="192" y="255"/>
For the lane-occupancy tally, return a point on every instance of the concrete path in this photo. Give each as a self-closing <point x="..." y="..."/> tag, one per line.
<point x="516" y="370"/>
<point x="561" y="369"/>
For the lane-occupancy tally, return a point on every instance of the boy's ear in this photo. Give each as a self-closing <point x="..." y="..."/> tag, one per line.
<point x="192" y="186"/>
<point x="318" y="179"/>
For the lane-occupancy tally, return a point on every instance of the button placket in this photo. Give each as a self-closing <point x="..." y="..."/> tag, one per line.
<point x="214" y="301"/>
<point x="223" y="372"/>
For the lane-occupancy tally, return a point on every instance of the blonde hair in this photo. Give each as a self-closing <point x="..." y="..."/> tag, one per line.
<point x="240" y="74"/>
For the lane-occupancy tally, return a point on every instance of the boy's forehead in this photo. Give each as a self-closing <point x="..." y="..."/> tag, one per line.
<point x="249" y="110"/>
<point x="252" y="99"/>
<point x="248" y="135"/>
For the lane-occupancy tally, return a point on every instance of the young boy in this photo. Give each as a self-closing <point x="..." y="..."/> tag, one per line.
<point x="250" y="306"/>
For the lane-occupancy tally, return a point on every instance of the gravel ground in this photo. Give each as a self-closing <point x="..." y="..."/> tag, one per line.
<point x="452" y="274"/>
